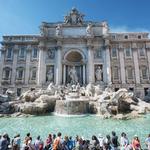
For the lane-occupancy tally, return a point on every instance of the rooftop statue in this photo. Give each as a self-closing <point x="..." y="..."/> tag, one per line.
<point x="58" y="30"/>
<point x="89" y="30"/>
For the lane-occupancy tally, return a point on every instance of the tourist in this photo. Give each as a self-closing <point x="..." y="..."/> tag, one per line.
<point x="27" y="136"/>
<point x="101" y="141"/>
<point x="71" y="143"/>
<point x="4" y="142"/>
<point x="77" y="144"/>
<point x="49" y="141"/>
<point x="124" y="142"/>
<point x="30" y="145"/>
<point x="114" y="141"/>
<point x="38" y="144"/>
<point x="107" y="143"/>
<point x="57" y="142"/>
<point x="65" y="143"/>
<point x="94" y="143"/>
<point x="147" y="142"/>
<point x="16" y="142"/>
<point x="54" y="137"/>
<point x="80" y="144"/>
<point x="136" y="143"/>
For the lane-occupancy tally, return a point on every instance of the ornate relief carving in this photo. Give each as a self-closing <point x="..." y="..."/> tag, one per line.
<point x="51" y="53"/>
<point x="98" y="54"/>
<point x="74" y="17"/>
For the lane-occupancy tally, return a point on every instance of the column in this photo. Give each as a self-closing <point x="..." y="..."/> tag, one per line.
<point x="2" y="65"/>
<point x="122" y="65"/>
<point x="108" y="66"/>
<point x="58" y="66"/>
<point x="64" y="79"/>
<point x="84" y="74"/>
<point x="14" y="65"/>
<point x="27" y="69"/>
<point x="90" y="65"/>
<point x="41" y="71"/>
<point x="148" y="55"/>
<point x="136" y="66"/>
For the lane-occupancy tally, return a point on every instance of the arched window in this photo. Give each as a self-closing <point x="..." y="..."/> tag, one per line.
<point x="9" y="53"/>
<point x="22" y="53"/>
<point x="114" y="52"/>
<point x="34" y="53"/>
<point x="7" y="73"/>
<point x="144" y="72"/>
<point x="128" y="52"/>
<point x="142" y="52"/>
<point x="20" y="73"/>
<point x="130" y="72"/>
<point x="115" y="73"/>
<point x="33" y="73"/>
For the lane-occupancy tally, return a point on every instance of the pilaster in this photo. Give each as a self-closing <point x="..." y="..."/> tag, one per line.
<point x="136" y="65"/>
<point x="41" y="65"/>
<point x="122" y="65"/>
<point x="2" y="65"/>
<point x="27" y="72"/>
<point x="90" y="61"/>
<point x="58" y="67"/>
<point x="14" y="65"/>
<point x="107" y="65"/>
<point x="148" y="56"/>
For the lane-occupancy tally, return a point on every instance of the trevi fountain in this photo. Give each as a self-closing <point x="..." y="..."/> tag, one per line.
<point x="74" y="109"/>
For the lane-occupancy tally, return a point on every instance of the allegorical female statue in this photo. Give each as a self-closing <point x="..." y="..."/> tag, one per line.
<point x="73" y="75"/>
<point x="98" y="74"/>
<point x="50" y="75"/>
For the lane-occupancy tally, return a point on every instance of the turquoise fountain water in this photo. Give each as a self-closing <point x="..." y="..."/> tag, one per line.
<point x="85" y="126"/>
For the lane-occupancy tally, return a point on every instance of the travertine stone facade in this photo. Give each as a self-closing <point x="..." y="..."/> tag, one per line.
<point x="75" y="51"/>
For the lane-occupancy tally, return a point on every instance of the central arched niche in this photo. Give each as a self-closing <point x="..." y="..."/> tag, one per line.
<point x="74" y="56"/>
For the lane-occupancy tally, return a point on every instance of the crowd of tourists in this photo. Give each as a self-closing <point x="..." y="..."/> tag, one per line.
<point x="56" y="142"/>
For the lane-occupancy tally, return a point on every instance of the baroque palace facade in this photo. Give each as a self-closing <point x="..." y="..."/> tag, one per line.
<point x="75" y="51"/>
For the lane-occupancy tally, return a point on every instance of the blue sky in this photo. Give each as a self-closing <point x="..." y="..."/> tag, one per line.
<point x="25" y="16"/>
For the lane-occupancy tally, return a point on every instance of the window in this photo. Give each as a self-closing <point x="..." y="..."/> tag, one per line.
<point x="130" y="73"/>
<point x="139" y="37"/>
<point x="142" y="52"/>
<point x="144" y="72"/>
<point x="22" y="53"/>
<point x="34" y="53"/>
<point x="20" y="73"/>
<point x="6" y="73"/>
<point x="33" y="74"/>
<point x="9" y="53"/>
<point x="115" y="73"/>
<point x="126" y="37"/>
<point x="131" y="89"/>
<point x="128" y="52"/>
<point x="145" y="91"/>
<point x="114" y="52"/>
<point x="116" y="89"/>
